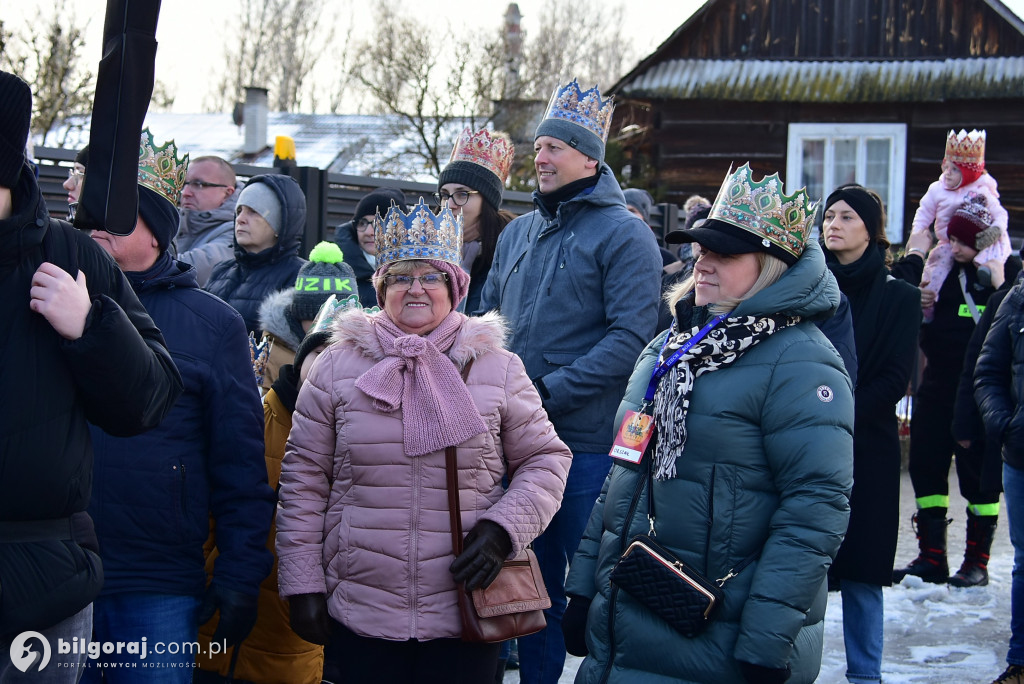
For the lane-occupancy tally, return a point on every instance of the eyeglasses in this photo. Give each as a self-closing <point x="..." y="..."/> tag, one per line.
<point x="429" y="281"/>
<point x="202" y="185"/>
<point x="363" y="224"/>
<point x="76" y="175"/>
<point x="460" y="197"/>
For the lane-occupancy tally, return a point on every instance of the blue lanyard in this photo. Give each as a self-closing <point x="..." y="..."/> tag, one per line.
<point x="662" y="368"/>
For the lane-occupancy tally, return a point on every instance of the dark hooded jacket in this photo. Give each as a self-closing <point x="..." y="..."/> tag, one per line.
<point x="118" y="374"/>
<point x="345" y="238"/>
<point x="206" y="458"/>
<point x="250" y="278"/>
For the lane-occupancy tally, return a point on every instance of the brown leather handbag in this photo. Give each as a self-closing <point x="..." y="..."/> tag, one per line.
<point x="513" y="604"/>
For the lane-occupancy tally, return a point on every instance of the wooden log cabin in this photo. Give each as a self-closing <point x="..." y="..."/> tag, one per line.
<point x="827" y="92"/>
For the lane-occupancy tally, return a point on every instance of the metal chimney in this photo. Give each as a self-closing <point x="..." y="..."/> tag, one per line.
<point x="513" y="51"/>
<point x="255" y="119"/>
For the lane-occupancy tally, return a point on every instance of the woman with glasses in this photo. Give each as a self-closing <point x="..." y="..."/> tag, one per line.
<point x="364" y="534"/>
<point x="269" y="219"/>
<point x="472" y="185"/>
<point x="76" y="176"/>
<point x="355" y="238"/>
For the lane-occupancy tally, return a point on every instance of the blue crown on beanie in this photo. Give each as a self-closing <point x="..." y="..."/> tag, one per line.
<point x="580" y="119"/>
<point x="420" y="234"/>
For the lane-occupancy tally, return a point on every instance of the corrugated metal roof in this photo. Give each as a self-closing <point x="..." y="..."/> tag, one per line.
<point x="357" y="145"/>
<point x="823" y="81"/>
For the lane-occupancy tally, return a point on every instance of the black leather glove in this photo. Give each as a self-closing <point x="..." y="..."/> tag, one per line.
<point x="237" y="613"/>
<point x="309" y="618"/>
<point x="574" y="626"/>
<point x="486" y="547"/>
<point x="759" y="674"/>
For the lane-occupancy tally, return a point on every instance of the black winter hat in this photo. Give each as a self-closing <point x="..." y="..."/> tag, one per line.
<point x="476" y="177"/>
<point x="325" y="274"/>
<point x="308" y="344"/>
<point x="378" y="202"/>
<point x="83" y="157"/>
<point x="160" y="215"/>
<point x="15" y="118"/>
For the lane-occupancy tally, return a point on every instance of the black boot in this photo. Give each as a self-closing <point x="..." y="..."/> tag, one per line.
<point x="930" y="564"/>
<point x="974" y="571"/>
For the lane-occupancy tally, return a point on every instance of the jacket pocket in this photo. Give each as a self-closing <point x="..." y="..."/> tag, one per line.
<point x="559" y="359"/>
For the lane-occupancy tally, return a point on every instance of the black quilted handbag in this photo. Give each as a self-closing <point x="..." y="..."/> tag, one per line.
<point x="666" y="586"/>
<point x="672" y="590"/>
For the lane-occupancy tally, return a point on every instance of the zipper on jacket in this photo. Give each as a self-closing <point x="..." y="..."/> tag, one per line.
<point x="711" y="518"/>
<point x="623" y="539"/>
<point x="184" y="489"/>
<point x="414" y="545"/>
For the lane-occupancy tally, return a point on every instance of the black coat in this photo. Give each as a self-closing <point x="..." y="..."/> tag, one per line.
<point x="117" y="375"/>
<point x="245" y="281"/>
<point x="999" y="378"/>
<point x="345" y="238"/>
<point x="886" y="318"/>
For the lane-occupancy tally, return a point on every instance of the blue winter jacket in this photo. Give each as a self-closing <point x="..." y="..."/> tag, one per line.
<point x="153" y="494"/>
<point x="580" y="291"/>
<point x="766" y="473"/>
<point x="246" y="280"/>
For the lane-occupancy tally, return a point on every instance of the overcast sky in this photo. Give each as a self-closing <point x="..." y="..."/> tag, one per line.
<point x="190" y="33"/>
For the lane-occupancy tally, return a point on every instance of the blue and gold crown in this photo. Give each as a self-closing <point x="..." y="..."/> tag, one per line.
<point x="761" y="208"/>
<point x="420" y="234"/>
<point x="583" y="108"/>
<point x="160" y="169"/>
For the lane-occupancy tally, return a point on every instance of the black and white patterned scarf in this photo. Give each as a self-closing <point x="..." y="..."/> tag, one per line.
<point x="725" y="343"/>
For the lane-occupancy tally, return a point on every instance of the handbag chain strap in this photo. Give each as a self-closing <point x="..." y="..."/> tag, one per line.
<point x="451" y="471"/>
<point x="735" y="570"/>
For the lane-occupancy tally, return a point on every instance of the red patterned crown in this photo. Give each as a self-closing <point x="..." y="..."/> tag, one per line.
<point x="966" y="148"/>
<point x="493" y="151"/>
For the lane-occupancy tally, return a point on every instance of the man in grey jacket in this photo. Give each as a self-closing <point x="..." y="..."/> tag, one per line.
<point x="206" y="231"/>
<point x="578" y="279"/>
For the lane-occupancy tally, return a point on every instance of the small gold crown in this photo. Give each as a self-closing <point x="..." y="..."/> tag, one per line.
<point x="494" y="152"/>
<point x="761" y="208"/>
<point x="966" y="148"/>
<point x="585" y="108"/>
<point x="160" y="169"/>
<point x="420" y="234"/>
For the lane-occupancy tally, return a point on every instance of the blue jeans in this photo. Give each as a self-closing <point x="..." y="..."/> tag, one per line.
<point x="1013" y="495"/>
<point x="862" y="630"/>
<point x="63" y="668"/>
<point x="166" y="621"/>
<point x="542" y="655"/>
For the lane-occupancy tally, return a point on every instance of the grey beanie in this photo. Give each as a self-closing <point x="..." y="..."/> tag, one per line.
<point x="640" y="200"/>
<point x="476" y="177"/>
<point x="262" y="199"/>
<point x="573" y="135"/>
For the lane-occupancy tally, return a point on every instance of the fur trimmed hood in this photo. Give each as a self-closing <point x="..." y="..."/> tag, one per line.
<point x="476" y="337"/>
<point x="273" y="317"/>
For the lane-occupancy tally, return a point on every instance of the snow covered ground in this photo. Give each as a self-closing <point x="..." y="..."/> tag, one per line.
<point x="933" y="634"/>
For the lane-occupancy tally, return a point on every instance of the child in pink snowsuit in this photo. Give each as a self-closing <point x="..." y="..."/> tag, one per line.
<point x="963" y="172"/>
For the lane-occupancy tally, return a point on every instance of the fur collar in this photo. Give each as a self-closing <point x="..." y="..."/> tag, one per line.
<point x="273" y="316"/>
<point x="477" y="336"/>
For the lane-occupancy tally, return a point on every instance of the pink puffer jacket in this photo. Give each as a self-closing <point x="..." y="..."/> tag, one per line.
<point x="368" y="525"/>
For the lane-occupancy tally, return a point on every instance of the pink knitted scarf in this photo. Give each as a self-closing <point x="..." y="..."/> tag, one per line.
<point x="416" y="376"/>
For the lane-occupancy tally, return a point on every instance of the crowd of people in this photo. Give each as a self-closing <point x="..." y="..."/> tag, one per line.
<point x="724" y="402"/>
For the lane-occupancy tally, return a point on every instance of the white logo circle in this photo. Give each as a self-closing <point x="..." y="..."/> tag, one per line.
<point x="825" y="393"/>
<point x="23" y="657"/>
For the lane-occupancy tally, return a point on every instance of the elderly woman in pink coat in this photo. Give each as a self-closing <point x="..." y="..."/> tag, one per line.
<point x="364" y="534"/>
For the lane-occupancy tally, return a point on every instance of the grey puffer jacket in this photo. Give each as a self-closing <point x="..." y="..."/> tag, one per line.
<point x="580" y="291"/>
<point x="766" y="473"/>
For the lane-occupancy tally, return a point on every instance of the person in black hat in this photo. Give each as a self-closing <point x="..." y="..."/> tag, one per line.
<point x="79" y="348"/>
<point x="355" y="238"/>
<point x="76" y="176"/>
<point x="204" y="461"/>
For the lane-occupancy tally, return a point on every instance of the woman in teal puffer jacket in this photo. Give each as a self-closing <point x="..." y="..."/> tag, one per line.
<point x="759" y="478"/>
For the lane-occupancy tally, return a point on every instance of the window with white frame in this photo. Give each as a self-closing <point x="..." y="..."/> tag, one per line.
<point x="825" y="156"/>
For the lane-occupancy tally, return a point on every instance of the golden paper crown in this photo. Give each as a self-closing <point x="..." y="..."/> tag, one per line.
<point x="761" y="208"/>
<point x="584" y="108"/>
<point x="966" y="148"/>
<point x="494" y="152"/>
<point x="420" y="234"/>
<point x="160" y="170"/>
